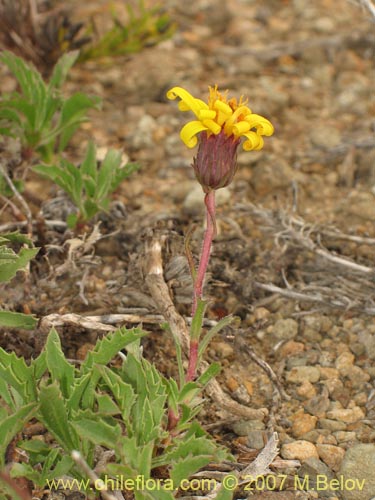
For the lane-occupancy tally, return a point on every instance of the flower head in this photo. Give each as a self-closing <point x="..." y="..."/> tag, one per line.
<point x="221" y="114"/>
<point x="220" y="123"/>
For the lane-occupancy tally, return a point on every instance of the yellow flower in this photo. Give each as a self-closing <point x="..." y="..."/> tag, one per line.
<point x="221" y="114"/>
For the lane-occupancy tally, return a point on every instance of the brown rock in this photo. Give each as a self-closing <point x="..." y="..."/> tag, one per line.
<point x="347" y="415"/>
<point x="328" y="373"/>
<point x="300" y="373"/>
<point x="331" y="455"/>
<point x="303" y="423"/>
<point x="300" y="450"/>
<point x="306" y="390"/>
<point x="291" y="348"/>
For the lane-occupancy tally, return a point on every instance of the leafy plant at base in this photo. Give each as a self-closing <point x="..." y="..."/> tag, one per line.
<point x="10" y="263"/>
<point x="89" y="185"/>
<point x="39" y="115"/>
<point x="124" y="409"/>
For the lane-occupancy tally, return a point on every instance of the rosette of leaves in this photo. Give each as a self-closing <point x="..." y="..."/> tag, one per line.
<point x="90" y="184"/>
<point x="39" y="115"/>
<point x="122" y="407"/>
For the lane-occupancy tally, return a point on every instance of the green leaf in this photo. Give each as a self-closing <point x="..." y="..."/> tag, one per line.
<point x="186" y="467"/>
<point x="197" y="321"/>
<point x="53" y="414"/>
<point x="61" y="69"/>
<point x="188" y="392"/>
<point x="90" y="209"/>
<point x="13" y="424"/>
<point x="110" y="164"/>
<point x="224" y="493"/>
<point x="106" y="406"/>
<point x="110" y="345"/>
<point x="17" y="320"/>
<point x="72" y="115"/>
<point x="213" y="331"/>
<point x="88" y="166"/>
<point x="122" y="391"/>
<point x="18" y="375"/>
<point x="10" y="262"/>
<point x="72" y="220"/>
<point x="97" y="431"/>
<point x="122" y="173"/>
<point x="83" y="387"/>
<point x="211" y="372"/>
<point x="27" y="76"/>
<point x="60" y="369"/>
<point x="15" y="237"/>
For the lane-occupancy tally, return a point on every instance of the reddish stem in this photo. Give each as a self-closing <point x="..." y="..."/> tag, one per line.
<point x="209" y="234"/>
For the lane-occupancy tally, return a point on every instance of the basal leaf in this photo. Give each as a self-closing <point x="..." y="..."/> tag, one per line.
<point x="122" y="391"/>
<point x="17" y="320"/>
<point x="53" y="414"/>
<point x="88" y="166"/>
<point x="186" y="467"/>
<point x="60" y="369"/>
<point x="13" y="424"/>
<point x="9" y="270"/>
<point x="15" y="372"/>
<point x="61" y="69"/>
<point x="98" y="431"/>
<point x="110" y="345"/>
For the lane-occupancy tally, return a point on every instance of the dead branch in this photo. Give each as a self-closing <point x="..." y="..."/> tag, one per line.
<point x="20" y="198"/>
<point x="160" y="294"/>
<point x="327" y="278"/>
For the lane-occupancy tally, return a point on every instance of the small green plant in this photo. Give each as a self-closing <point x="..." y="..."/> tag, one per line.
<point x="90" y="184"/>
<point x="39" y="115"/>
<point x="145" y="26"/>
<point x="10" y="263"/>
<point x="124" y="408"/>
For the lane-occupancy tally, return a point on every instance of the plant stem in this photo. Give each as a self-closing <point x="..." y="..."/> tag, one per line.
<point x="209" y="234"/>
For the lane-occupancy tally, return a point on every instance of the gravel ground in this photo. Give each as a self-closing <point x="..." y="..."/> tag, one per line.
<point x="308" y="67"/>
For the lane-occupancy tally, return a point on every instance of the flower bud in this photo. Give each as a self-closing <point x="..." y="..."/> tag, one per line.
<point x="216" y="162"/>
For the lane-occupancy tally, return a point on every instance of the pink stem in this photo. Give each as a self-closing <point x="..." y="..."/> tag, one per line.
<point x="209" y="234"/>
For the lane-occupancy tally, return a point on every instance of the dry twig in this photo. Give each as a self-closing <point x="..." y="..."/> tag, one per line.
<point x="20" y="198"/>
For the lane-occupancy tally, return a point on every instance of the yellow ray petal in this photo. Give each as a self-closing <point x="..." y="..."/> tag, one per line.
<point x="240" y="128"/>
<point x="188" y="101"/>
<point x="207" y="114"/>
<point x="222" y="106"/>
<point x="212" y="126"/>
<point x="189" y="131"/>
<point x="261" y="124"/>
<point x="253" y="142"/>
<point x="242" y="110"/>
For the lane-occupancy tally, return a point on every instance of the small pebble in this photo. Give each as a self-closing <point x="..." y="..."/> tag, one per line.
<point x="347" y="415"/>
<point x="301" y="373"/>
<point x="306" y="390"/>
<point x="344" y="436"/>
<point x="299" y="450"/>
<point x="332" y="425"/>
<point x="302" y="423"/>
<point x="285" y="329"/>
